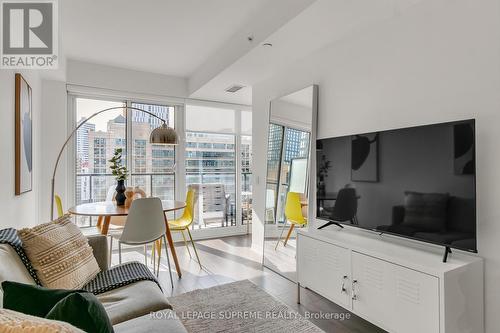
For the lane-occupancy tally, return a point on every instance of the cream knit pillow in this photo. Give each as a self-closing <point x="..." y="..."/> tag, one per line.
<point x="60" y="254"/>
<point x="17" y="322"/>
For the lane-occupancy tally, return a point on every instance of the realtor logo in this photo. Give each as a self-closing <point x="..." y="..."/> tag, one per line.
<point x="29" y="34"/>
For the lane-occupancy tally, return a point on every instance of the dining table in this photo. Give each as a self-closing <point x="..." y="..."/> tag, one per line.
<point x="105" y="210"/>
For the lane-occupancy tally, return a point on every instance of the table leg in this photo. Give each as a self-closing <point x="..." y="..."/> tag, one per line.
<point x="105" y="226"/>
<point x="99" y="221"/>
<point x="172" y="248"/>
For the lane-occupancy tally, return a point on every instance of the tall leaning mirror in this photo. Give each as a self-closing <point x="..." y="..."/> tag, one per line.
<point x="292" y="127"/>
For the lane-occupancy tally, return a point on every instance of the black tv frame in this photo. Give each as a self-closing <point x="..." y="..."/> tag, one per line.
<point x="448" y="247"/>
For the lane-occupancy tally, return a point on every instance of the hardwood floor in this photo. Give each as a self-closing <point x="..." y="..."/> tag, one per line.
<point x="231" y="259"/>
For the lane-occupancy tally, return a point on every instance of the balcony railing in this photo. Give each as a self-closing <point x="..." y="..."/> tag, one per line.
<point x="94" y="187"/>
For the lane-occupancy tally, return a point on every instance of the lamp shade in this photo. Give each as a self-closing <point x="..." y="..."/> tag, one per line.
<point x="163" y="135"/>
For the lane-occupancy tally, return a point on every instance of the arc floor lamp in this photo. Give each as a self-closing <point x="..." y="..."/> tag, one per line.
<point x="164" y="135"/>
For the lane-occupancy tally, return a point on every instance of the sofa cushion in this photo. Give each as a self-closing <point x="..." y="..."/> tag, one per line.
<point x="426" y="211"/>
<point x="133" y="300"/>
<point x="469" y="243"/>
<point x="12" y="268"/>
<point x="158" y="322"/>
<point x="60" y="254"/>
<point x="443" y="237"/>
<point x="462" y="215"/>
<point x="16" y="322"/>
<point x="19" y="297"/>
<point x="83" y="310"/>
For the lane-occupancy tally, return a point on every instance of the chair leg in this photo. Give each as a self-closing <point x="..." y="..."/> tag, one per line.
<point x="159" y="259"/>
<point x="168" y="261"/>
<point x="145" y="254"/>
<point x="153" y="255"/>
<point x="281" y="235"/>
<point x="120" y="252"/>
<point x="289" y="233"/>
<point x="158" y="246"/>
<point x="185" y="243"/>
<point x="110" y="250"/>
<point x="194" y="247"/>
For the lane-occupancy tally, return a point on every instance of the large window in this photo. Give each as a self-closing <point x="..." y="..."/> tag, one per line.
<point x="218" y="165"/>
<point x="150" y="166"/>
<point x="95" y="144"/>
<point x="246" y="166"/>
<point x="215" y="150"/>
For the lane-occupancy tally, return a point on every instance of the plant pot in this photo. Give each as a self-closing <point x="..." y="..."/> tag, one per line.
<point x="120" y="193"/>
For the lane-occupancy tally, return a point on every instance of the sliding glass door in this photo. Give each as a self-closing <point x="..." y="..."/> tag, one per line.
<point x="150" y="166"/>
<point x="95" y="144"/>
<point x="214" y="156"/>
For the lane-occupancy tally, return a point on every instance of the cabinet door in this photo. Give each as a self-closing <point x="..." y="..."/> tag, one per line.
<point x="396" y="298"/>
<point x="371" y="290"/>
<point x="324" y="268"/>
<point x="416" y="301"/>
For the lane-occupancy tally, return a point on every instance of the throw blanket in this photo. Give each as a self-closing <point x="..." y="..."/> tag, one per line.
<point x="113" y="278"/>
<point x="120" y="276"/>
<point x="9" y="236"/>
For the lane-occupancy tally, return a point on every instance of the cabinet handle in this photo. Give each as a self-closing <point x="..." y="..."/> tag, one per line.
<point x="354" y="295"/>
<point x="344" y="290"/>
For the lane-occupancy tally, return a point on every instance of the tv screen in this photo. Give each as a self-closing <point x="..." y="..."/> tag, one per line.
<point x="416" y="182"/>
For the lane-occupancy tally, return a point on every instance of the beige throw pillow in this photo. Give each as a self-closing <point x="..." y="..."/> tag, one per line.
<point x="60" y="254"/>
<point x="17" y="322"/>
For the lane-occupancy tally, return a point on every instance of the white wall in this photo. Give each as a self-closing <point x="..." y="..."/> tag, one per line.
<point x="97" y="78"/>
<point x="54" y="133"/>
<point x="18" y="211"/>
<point x="125" y="80"/>
<point x="439" y="61"/>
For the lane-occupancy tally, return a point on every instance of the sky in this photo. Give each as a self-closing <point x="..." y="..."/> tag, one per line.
<point x="87" y="107"/>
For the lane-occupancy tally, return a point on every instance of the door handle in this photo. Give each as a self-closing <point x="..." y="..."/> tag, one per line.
<point x="344" y="279"/>
<point x="354" y="295"/>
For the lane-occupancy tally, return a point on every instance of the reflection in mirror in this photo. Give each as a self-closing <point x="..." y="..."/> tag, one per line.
<point x="288" y="164"/>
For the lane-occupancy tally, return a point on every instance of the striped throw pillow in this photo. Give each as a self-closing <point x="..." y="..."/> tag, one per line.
<point x="17" y="322"/>
<point x="60" y="254"/>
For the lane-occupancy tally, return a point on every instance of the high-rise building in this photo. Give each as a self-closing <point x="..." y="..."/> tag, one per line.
<point x="82" y="144"/>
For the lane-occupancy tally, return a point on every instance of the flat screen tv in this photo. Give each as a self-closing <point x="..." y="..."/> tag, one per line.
<point x="416" y="182"/>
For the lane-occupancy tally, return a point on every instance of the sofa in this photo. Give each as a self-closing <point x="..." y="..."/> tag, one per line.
<point x="129" y="307"/>
<point x="459" y="229"/>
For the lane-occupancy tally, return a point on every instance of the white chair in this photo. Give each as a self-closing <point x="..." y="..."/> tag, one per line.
<point x="117" y="223"/>
<point x="145" y="224"/>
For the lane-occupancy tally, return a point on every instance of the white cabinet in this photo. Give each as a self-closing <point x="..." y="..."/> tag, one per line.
<point x="400" y="299"/>
<point x="400" y="288"/>
<point x="321" y="262"/>
<point x="371" y="289"/>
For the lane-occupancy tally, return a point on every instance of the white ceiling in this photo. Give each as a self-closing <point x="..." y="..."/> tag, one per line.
<point x="206" y="42"/>
<point x="322" y="23"/>
<point x="171" y="37"/>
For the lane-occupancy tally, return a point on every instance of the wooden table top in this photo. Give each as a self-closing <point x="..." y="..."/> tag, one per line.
<point x="109" y="208"/>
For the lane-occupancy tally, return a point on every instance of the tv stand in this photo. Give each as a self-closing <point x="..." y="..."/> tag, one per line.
<point x="447" y="250"/>
<point x="331" y="223"/>
<point x="370" y="277"/>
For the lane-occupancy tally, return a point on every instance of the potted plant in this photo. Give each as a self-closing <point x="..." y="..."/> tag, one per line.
<point x="121" y="174"/>
<point x="323" y="167"/>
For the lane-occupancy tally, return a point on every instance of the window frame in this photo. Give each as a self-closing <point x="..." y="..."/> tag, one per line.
<point x="179" y="104"/>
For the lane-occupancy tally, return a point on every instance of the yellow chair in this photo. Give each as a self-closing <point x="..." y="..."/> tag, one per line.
<point x="60" y="211"/>
<point x="183" y="223"/>
<point x="293" y="214"/>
